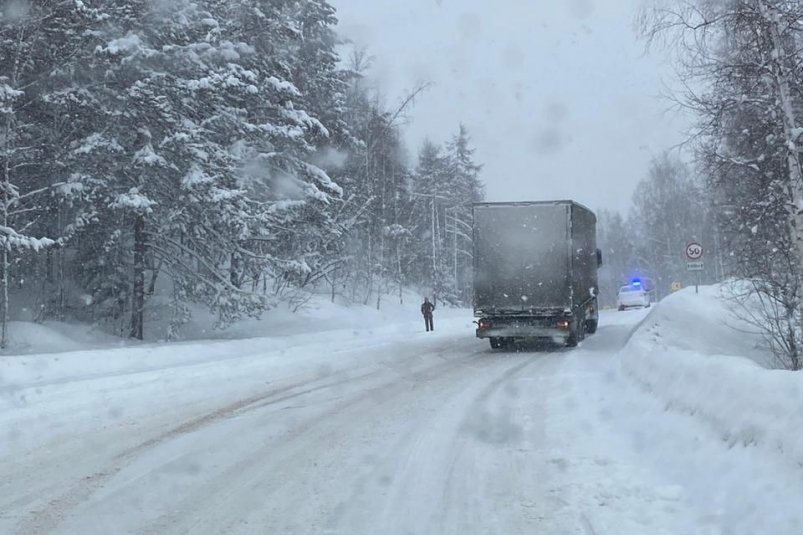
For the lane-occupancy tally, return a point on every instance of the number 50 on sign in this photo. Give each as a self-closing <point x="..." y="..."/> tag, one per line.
<point x="694" y="251"/>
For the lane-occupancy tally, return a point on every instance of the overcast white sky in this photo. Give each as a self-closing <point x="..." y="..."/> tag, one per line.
<point x="558" y="95"/>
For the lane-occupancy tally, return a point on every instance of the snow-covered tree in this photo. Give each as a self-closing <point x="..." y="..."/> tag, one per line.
<point x="376" y="205"/>
<point x="744" y="54"/>
<point x="667" y="213"/>
<point x="445" y="185"/>
<point x="202" y="161"/>
<point x="40" y="54"/>
<point x="468" y="189"/>
<point x="208" y="152"/>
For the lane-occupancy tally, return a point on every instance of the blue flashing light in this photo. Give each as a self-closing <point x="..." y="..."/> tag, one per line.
<point x="635" y="283"/>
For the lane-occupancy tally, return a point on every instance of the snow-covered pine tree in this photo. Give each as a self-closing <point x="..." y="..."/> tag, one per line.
<point x="40" y="57"/>
<point x="291" y="196"/>
<point x="190" y="148"/>
<point x="445" y="185"/>
<point x="467" y="189"/>
<point x="429" y="199"/>
<point x="168" y="174"/>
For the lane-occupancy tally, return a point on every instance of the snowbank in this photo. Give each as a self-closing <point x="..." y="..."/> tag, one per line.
<point x="699" y="360"/>
<point x="27" y="337"/>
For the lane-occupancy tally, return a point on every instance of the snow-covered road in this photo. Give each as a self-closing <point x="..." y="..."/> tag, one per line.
<point x="423" y="435"/>
<point x="397" y="433"/>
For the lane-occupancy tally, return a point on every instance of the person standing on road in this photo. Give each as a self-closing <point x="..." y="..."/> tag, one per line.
<point x="426" y="310"/>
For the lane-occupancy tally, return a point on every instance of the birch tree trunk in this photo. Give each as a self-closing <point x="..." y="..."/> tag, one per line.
<point x="791" y="133"/>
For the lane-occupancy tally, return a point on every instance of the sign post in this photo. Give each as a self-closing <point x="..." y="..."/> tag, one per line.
<point x="694" y="255"/>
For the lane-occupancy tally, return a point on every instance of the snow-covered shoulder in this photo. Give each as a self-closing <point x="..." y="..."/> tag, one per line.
<point x="66" y="378"/>
<point x="310" y="314"/>
<point x="698" y="358"/>
<point x="706" y="323"/>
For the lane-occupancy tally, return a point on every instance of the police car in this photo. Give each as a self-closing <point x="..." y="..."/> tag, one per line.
<point x="632" y="295"/>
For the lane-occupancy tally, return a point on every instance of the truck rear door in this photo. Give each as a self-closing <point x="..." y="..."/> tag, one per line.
<point x="521" y="257"/>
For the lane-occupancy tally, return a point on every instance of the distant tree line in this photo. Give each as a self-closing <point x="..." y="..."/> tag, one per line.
<point x="743" y="78"/>
<point x="669" y="209"/>
<point x="160" y="154"/>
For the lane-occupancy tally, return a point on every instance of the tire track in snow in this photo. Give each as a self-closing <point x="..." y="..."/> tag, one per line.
<point x="437" y="485"/>
<point x="47" y="519"/>
<point x="494" y="432"/>
<point x="300" y="443"/>
<point x="587" y="526"/>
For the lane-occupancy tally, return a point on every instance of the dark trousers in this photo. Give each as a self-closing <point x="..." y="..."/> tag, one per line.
<point x="428" y="322"/>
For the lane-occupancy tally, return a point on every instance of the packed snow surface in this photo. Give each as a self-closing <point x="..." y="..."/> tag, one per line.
<point x="343" y="420"/>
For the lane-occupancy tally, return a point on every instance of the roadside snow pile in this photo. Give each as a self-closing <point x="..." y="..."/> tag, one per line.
<point x="699" y="360"/>
<point x="27" y="337"/>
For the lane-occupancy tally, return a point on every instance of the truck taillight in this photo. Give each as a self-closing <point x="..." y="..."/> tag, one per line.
<point x="484" y="324"/>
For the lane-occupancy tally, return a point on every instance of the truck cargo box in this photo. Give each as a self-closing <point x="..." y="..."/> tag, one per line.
<point x="533" y="259"/>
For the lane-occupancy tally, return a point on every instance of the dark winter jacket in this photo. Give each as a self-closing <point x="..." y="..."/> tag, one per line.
<point x="427" y="308"/>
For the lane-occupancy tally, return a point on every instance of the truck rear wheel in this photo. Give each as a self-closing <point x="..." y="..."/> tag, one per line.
<point x="497" y="343"/>
<point x="571" y="341"/>
<point x="577" y="332"/>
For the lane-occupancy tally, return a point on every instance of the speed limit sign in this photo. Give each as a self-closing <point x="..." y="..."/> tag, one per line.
<point x="694" y="251"/>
